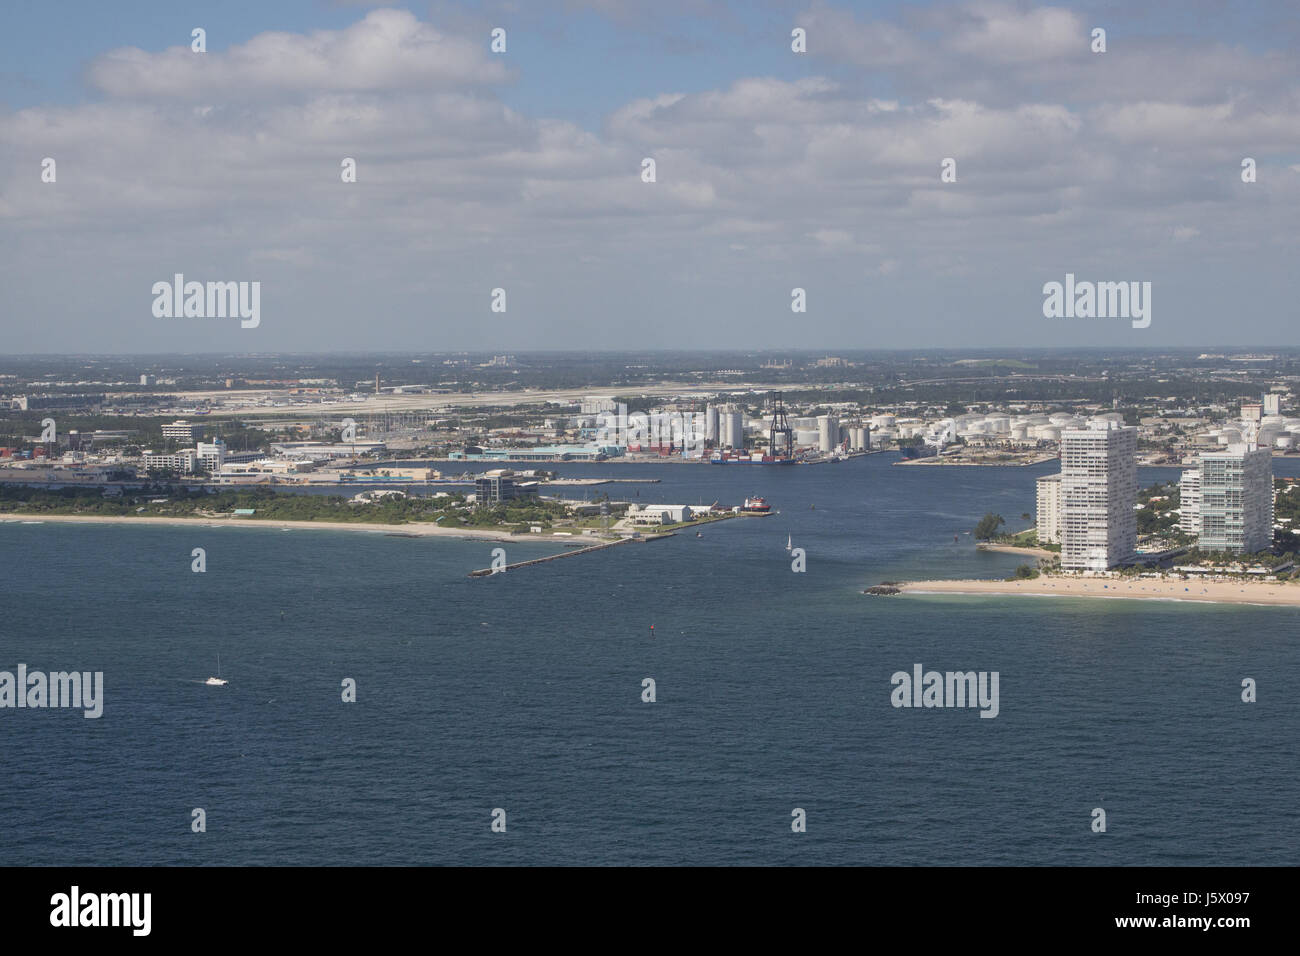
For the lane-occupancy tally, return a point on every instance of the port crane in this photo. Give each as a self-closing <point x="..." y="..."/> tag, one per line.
<point x="780" y="427"/>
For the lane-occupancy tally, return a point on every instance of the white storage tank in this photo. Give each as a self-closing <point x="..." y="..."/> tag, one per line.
<point x="731" y="429"/>
<point x="828" y="433"/>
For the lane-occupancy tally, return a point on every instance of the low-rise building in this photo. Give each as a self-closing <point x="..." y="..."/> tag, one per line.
<point x="500" y="484"/>
<point x="668" y="514"/>
<point x="182" y="462"/>
<point x="179" y="431"/>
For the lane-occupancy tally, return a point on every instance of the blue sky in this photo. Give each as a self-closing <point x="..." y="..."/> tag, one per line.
<point x="520" y="171"/>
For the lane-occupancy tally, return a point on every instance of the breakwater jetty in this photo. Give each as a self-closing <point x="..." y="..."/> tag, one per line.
<point x="486" y="572"/>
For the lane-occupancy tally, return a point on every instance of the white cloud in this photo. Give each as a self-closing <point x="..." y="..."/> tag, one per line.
<point x="387" y="50"/>
<point x="232" y="157"/>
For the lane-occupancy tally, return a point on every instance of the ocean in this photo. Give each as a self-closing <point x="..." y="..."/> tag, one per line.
<point x="523" y="692"/>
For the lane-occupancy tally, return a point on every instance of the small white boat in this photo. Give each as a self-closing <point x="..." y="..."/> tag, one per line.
<point x="789" y="542"/>
<point x="217" y="681"/>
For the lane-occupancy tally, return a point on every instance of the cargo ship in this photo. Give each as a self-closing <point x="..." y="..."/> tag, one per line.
<point x="919" y="451"/>
<point x="756" y="505"/>
<point x="746" y="458"/>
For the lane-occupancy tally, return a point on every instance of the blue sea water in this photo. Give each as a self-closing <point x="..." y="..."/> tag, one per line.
<point x="523" y="692"/>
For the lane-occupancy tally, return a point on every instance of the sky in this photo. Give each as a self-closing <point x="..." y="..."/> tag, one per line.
<point x="522" y="170"/>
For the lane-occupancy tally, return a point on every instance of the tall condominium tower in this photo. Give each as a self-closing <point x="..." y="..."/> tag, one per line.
<point x="1098" y="495"/>
<point x="1237" y="500"/>
<point x="1049" y="509"/>
<point x="1189" y="506"/>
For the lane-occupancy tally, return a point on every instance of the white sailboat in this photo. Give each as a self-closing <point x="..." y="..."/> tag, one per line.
<point x="789" y="541"/>
<point x="217" y="681"/>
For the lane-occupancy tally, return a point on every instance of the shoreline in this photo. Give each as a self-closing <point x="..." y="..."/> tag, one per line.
<point x="1017" y="549"/>
<point x="419" y="530"/>
<point x="1274" y="593"/>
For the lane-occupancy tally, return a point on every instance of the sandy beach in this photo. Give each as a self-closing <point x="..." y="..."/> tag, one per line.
<point x="1017" y="549"/>
<point x="1215" y="592"/>
<point x="420" y="530"/>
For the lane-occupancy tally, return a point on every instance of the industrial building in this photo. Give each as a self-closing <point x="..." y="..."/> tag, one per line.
<point x="731" y="425"/>
<point x="828" y="433"/>
<point x="1098" y="494"/>
<point x="859" y="438"/>
<point x="322" y="450"/>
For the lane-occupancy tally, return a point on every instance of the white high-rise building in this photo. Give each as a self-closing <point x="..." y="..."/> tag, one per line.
<point x="1098" y="495"/>
<point x="1049" y="509"/>
<point x="1237" y="500"/>
<point x="1189" y="497"/>
<point x="1272" y="404"/>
